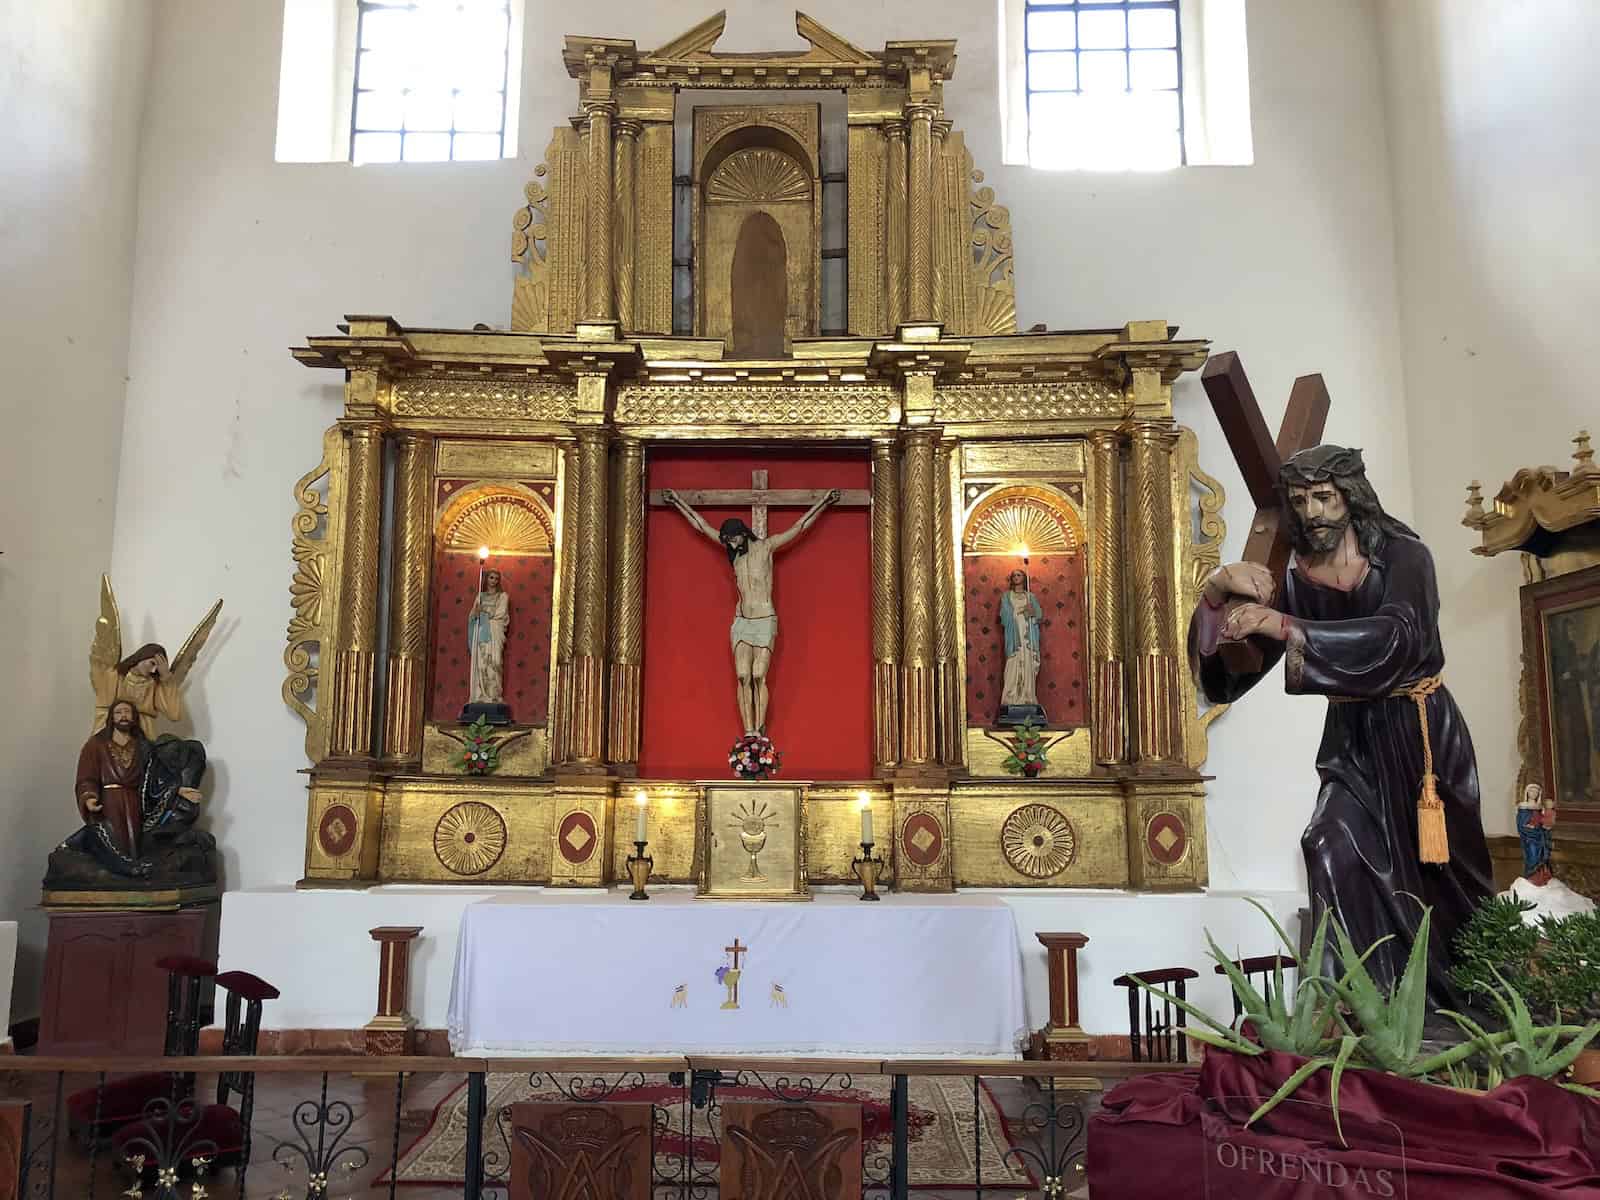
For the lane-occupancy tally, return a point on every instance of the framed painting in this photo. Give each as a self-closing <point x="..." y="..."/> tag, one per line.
<point x="752" y="841"/>
<point x="1561" y="637"/>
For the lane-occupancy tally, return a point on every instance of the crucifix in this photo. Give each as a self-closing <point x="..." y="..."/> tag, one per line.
<point x="1260" y="459"/>
<point x="730" y="979"/>
<point x="750" y="551"/>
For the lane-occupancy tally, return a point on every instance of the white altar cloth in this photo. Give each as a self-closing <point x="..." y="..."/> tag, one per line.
<point x="908" y="977"/>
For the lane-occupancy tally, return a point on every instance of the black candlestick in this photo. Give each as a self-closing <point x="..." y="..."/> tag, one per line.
<point x="869" y="869"/>
<point x="640" y="865"/>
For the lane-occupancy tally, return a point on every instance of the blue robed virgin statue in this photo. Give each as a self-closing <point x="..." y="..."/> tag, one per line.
<point x="1020" y="616"/>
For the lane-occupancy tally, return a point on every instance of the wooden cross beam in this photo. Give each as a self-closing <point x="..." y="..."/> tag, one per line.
<point x="760" y="498"/>
<point x="1260" y="459"/>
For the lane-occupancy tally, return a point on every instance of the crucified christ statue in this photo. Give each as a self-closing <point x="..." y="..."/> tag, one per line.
<point x="755" y="621"/>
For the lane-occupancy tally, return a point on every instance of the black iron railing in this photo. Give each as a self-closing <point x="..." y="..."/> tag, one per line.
<point x="324" y="1127"/>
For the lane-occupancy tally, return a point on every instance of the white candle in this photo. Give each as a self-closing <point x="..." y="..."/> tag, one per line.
<point x="866" y="818"/>
<point x="640" y="799"/>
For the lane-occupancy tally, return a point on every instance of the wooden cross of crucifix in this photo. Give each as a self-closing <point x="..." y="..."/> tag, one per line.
<point x="736" y="950"/>
<point x="760" y="498"/>
<point x="1260" y="459"/>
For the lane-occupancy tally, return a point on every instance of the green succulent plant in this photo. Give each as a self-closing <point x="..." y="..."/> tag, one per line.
<point x="1523" y="1047"/>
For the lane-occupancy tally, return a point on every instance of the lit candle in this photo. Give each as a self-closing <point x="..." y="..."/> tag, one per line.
<point x="640" y="799"/>
<point x="483" y="558"/>
<point x="866" y="818"/>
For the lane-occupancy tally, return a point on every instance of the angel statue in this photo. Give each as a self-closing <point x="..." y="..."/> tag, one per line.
<point x="145" y="678"/>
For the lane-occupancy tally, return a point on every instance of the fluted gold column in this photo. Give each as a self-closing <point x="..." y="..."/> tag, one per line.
<point x="589" y="597"/>
<point x="626" y="220"/>
<point x="409" y="573"/>
<point x="627" y="602"/>
<point x="1150" y="557"/>
<point x="918" y="739"/>
<point x="358" y="595"/>
<point x="1107" y="653"/>
<point x="602" y="296"/>
<point x="948" y="693"/>
<point x="894" y="257"/>
<point x="566" y="608"/>
<point x="885" y="603"/>
<point x="919" y="221"/>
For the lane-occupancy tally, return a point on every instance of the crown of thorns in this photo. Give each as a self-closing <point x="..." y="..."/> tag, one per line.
<point x="1320" y="464"/>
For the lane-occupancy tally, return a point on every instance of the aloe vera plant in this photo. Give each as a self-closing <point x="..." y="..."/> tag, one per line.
<point x="1524" y="1048"/>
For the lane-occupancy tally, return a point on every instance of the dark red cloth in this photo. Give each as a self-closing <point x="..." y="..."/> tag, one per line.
<point x="1172" y="1135"/>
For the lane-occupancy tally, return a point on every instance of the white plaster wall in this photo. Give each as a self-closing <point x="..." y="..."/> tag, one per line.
<point x="71" y="94"/>
<point x="1289" y="262"/>
<point x="1496" y="169"/>
<point x="8" y="962"/>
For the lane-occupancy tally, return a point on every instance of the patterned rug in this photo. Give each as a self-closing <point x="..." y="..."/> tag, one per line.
<point x="945" y="1149"/>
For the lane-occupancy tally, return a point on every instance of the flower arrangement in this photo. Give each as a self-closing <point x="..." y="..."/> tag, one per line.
<point x="1027" y="757"/>
<point x="754" y="757"/>
<point x="480" y="753"/>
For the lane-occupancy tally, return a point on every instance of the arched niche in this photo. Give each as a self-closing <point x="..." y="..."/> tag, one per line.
<point x="757" y="226"/>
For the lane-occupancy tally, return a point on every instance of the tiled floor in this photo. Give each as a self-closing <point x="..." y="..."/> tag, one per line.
<point x="278" y="1164"/>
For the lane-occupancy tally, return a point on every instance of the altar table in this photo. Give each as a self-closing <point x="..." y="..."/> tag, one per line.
<point x="909" y="977"/>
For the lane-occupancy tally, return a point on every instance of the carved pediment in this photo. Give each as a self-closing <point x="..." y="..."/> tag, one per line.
<point x="824" y="46"/>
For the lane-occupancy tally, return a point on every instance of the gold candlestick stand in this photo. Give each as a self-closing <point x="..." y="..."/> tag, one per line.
<point x="868" y="869"/>
<point x="640" y="865"/>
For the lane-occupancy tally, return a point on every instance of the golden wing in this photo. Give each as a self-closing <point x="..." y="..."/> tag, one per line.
<point x="106" y="649"/>
<point x="191" y="648"/>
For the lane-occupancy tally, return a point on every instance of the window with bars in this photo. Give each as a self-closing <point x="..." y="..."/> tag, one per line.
<point x="1104" y="84"/>
<point x="430" y="80"/>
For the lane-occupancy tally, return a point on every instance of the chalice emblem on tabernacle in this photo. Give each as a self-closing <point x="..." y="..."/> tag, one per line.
<point x="751" y="819"/>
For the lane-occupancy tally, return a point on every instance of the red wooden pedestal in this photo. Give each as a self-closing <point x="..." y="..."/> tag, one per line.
<point x="391" y="1031"/>
<point x="103" y="993"/>
<point x="1064" y="1039"/>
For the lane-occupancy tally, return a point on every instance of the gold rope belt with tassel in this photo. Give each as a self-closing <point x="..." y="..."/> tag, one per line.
<point x="1433" y="840"/>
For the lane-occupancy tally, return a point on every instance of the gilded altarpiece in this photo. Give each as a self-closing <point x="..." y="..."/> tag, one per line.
<point x="989" y="449"/>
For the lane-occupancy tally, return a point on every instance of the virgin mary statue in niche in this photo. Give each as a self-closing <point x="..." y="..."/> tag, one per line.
<point x="1020" y="616"/>
<point x="486" y="647"/>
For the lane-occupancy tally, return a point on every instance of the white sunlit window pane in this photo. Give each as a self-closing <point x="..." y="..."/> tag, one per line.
<point x="430" y="68"/>
<point x="1154" y="27"/>
<point x="476" y="146"/>
<point x="1102" y="29"/>
<point x="427" y="147"/>
<point x="429" y="109"/>
<point x="1103" y="71"/>
<point x="1053" y="72"/>
<point x="375" y="147"/>
<point x="1052" y="30"/>
<point x="1153" y="69"/>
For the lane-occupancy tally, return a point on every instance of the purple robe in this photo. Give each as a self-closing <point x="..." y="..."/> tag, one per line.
<point x="1361" y="845"/>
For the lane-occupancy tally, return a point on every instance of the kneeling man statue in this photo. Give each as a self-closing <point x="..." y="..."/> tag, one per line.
<point x="1396" y="824"/>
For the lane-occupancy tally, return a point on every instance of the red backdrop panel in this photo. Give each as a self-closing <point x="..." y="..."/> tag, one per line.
<point x="1057" y="580"/>
<point x="529" y="581"/>
<point x="821" y="675"/>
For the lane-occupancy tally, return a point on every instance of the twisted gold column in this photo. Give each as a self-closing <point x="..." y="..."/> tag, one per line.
<point x="919" y="742"/>
<point x="1155" y="664"/>
<point x="602" y="297"/>
<point x="885" y="603"/>
<point x="566" y="608"/>
<point x="1106" y="650"/>
<point x="627" y="602"/>
<point x="627" y="220"/>
<point x="948" y="695"/>
<point x="919" y="205"/>
<point x="894" y="257"/>
<point x="358" y="595"/>
<point x="410" y="570"/>
<point x="589" y="621"/>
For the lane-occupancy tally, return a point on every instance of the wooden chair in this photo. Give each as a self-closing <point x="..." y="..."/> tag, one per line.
<point x="1260" y="971"/>
<point x="96" y="1113"/>
<point x="1159" y="1036"/>
<point x="225" y="1124"/>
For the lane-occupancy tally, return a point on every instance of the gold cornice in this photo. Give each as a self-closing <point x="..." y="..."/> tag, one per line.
<point x="1536" y="499"/>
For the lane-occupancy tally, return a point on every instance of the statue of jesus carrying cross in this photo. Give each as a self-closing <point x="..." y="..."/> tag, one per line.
<point x="750" y="551"/>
